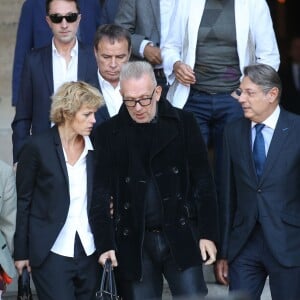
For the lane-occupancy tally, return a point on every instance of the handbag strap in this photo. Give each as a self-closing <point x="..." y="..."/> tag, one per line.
<point x="108" y="283"/>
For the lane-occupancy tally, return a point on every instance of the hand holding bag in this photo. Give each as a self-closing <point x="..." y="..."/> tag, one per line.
<point x="24" y="290"/>
<point x="108" y="289"/>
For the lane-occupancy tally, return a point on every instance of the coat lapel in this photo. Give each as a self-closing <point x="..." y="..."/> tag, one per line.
<point x="60" y="154"/>
<point x="280" y="135"/>
<point x="166" y="131"/>
<point x="246" y="150"/>
<point x="89" y="173"/>
<point x="82" y="63"/>
<point x="48" y="69"/>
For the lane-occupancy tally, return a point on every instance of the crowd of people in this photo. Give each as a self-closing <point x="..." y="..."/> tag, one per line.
<point x="152" y="134"/>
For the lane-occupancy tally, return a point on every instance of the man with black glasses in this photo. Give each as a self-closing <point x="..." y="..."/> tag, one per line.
<point x="46" y="69"/>
<point x="151" y="161"/>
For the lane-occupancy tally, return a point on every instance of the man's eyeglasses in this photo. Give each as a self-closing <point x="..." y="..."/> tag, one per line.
<point x="70" y="18"/>
<point x="249" y="93"/>
<point x="142" y="102"/>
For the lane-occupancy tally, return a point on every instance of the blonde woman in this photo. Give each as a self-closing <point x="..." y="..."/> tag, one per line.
<point x="53" y="238"/>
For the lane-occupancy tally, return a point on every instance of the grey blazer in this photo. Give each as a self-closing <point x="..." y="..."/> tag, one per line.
<point x="8" y="208"/>
<point x="142" y="19"/>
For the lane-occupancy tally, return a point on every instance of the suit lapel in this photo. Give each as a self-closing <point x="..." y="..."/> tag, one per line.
<point x="48" y="69"/>
<point x="246" y="147"/>
<point x="280" y="135"/>
<point x="82" y="63"/>
<point x="89" y="173"/>
<point x="60" y="154"/>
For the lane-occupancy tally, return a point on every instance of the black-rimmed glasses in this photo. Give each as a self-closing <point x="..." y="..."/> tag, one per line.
<point x="70" y="18"/>
<point x="142" y="102"/>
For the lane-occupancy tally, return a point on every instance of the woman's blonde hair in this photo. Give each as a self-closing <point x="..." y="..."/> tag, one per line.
<point x="70" y="97"/>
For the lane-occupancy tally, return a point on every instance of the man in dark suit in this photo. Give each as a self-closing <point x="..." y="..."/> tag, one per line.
<point x="112" y="48"/>
<point x="260" y="192"/>
<point x="34" y="32"/>
<point x="148" y="23"/>
<point x="45" y="69"/>
<point x="290" y="77"/>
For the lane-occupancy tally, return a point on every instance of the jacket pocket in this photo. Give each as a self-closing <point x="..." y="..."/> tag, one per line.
<point x="238" y="220"/>
<point x="291" y="219"/>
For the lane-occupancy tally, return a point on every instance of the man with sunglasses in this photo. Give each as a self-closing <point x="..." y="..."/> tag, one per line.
<point x="151" y="161"/>
<point x="45" y="69"/>
<point x="34" y="32"/>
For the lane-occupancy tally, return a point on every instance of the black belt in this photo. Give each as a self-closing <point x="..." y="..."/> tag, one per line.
<point x="210" y="92"/>
<point x="153" y="229"/>
<point x="159" y="73"/>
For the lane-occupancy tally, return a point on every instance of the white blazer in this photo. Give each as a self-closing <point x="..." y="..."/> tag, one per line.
<point x="256" y="41"/>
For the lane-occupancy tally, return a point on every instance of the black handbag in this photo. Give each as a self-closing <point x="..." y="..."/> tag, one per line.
<point x="24" y="290"/>
<point x="108" y="289"/>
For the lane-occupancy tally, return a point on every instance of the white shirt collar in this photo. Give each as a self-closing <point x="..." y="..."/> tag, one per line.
<point x="74" y="50"/>
<point x="271" y="121"/>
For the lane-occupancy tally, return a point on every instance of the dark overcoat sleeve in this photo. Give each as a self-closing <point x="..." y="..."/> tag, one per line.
<point x="100" y="217"/>
<point x="202" y="190"/>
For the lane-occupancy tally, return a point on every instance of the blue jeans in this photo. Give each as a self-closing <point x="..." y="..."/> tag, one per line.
<point x="213" y="112"/>
<point x="157" y="262"/>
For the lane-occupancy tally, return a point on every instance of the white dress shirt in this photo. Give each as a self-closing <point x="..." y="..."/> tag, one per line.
<point x="112" y="96"/>
<point x="63" y="72"/>
<point x="77" y="218"/>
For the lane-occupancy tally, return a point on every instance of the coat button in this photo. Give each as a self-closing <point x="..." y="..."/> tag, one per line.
<point x="182" y="222"/>
<point x="127" y="179"/>
<point x="126" y="205"/>
<point x="175" y="170"/>
<point x="126" y="232"/>
<point x="178" y="196"/>
<point x="259" y="191"/>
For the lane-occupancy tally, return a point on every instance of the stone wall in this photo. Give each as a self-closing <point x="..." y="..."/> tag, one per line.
<point x="9" y="15"/>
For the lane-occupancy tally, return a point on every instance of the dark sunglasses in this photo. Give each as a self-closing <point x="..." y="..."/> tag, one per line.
<point x="56" y="18"/>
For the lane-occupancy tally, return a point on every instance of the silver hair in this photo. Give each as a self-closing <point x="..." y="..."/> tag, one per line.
<point x="264" y="76"/>
<point x="136" y="69"/>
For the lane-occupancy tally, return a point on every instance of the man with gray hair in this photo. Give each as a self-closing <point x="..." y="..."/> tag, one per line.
<point x="260" y="192"/>
<point x="151" y="162"/>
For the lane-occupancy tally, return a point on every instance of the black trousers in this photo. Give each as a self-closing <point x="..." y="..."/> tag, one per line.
<point x="65" y="278"/>
<point x="158" y="262"/>
<point x="162" y="81"/>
